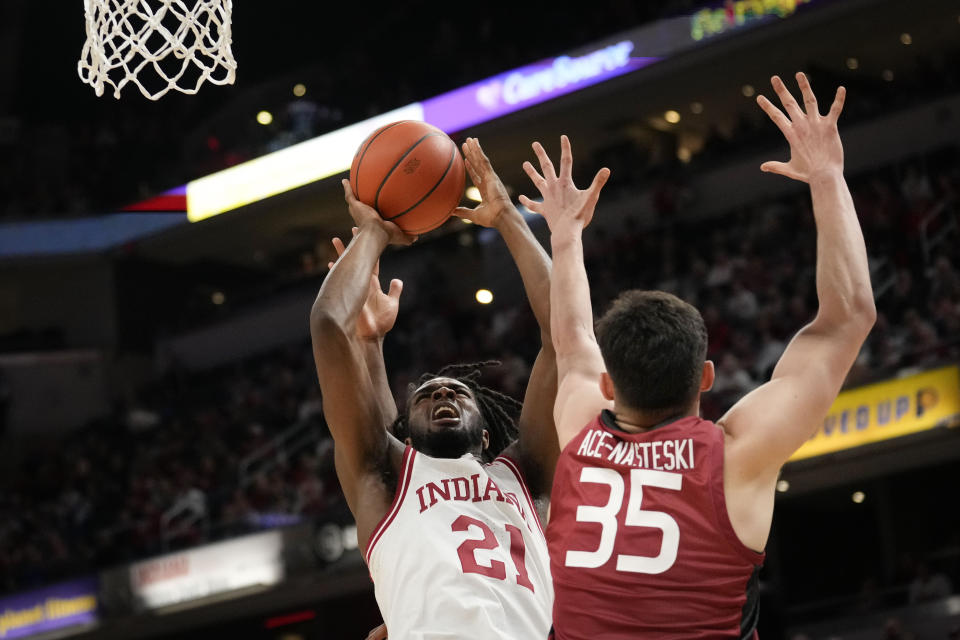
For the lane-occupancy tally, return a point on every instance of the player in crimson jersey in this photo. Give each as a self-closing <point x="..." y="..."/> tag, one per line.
<point x="447" y="504"/>
<point x="658" y="517"/>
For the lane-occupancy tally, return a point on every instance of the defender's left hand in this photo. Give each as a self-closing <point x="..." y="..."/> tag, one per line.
<point x="565" y="207"/>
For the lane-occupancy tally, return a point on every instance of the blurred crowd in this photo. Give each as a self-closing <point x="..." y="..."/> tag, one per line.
<point x="100" y="497"/>
<point x="753" y="297"/>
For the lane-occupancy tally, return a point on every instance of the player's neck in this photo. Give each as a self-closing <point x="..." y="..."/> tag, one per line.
<point x="633" y="421"/>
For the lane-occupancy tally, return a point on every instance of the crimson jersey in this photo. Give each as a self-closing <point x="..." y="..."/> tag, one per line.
<point x="640" y="542"/>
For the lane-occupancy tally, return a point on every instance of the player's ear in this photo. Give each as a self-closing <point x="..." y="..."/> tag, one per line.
<point x="706" y="378"/>
<point x="606" y="385"/>
<point x="486" y="439"/>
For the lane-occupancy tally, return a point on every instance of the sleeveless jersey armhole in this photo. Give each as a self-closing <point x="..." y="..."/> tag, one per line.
<point x="720" y="505"/>
<point x="409" y="455"/>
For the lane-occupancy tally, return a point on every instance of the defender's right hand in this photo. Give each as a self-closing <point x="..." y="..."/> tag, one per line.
<point x="566" y="208"/>
<point x="380" y="633"/>
<point x="365" y="216"/>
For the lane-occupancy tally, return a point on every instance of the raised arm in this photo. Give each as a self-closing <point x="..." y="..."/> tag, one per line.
<point x="497" y="211"/>
<point x="568" y="211"/>
<point x="774" y="420"/>
<point x="536" y="447"/>
<point x="376" y="319"/>
<point x="351" y="405"/>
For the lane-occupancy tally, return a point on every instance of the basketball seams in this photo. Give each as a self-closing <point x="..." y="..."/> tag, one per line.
<point x="376" y="199"/>
<point x="453" y="156"/>
<point x="363" y="152"/>
<point x="412" y="179"/>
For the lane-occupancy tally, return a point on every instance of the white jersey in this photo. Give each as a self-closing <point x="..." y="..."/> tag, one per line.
<point x="461" y="554"/>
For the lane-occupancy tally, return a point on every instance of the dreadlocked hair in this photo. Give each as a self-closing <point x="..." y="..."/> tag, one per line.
<point x="498" y="410"/>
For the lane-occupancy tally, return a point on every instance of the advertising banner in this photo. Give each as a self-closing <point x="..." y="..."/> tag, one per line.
<point x="888" y="410"/>
<point x="214" y="569"/>
<point x="530" y="85"/>
<point x="56" y="607"/>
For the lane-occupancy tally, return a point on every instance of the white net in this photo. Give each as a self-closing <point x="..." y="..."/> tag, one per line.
<point x="159" y="45"/>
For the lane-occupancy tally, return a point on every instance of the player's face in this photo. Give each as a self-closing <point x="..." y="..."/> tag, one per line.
<point x="445" y="421"/>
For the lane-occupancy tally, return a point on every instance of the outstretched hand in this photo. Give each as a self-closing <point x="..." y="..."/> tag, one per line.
<point x="494" y="197"/>
<point x="379" y="312"/>
<point x="815" y="147"/>
<point x="564" y="207"/>
<point x="366" y="216"/>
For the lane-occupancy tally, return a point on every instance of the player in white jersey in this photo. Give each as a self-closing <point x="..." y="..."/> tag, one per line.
<point x="447" y="505"/>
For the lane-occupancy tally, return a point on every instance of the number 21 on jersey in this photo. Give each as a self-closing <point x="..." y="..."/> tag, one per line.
<point x="635" y="516"/>
<point x="496" y="569"/>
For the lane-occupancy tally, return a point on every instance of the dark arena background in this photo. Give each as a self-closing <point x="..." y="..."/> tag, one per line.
<point x="166" y="471"/>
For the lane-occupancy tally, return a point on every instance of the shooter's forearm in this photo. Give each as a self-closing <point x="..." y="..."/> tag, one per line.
<point x="345" y="288"/>
<point x="373" y="356"/>
<point x="532" y="261"/>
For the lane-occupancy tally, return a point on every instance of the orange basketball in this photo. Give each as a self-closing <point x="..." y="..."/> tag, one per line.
<point x="411" y="172"/>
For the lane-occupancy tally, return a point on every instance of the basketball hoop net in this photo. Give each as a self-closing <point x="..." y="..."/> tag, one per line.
<point x="164" y="44"/>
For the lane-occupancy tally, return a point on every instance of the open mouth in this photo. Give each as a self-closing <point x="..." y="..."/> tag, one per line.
<point x="445" y="414"/>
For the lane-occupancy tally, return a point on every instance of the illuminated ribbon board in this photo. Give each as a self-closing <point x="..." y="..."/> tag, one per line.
<point x="734" y="14"/>
<point x="332" y="153"/>
<point x="530" y="85"/>
<point x="506" y="93"/>
<point x="45" y="610"/>
<point x="887" y="410"/>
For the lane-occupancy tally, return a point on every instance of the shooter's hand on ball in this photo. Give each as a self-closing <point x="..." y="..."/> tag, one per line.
<point x="379" y="311"/>
<point x="365" y="216"/>
<point x="815" y="148"/>
<point x="566" y="208"/>
<point x="495" y="200"/>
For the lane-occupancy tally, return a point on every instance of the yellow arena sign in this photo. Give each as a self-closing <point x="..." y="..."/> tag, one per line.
<point x="888" y="410"/>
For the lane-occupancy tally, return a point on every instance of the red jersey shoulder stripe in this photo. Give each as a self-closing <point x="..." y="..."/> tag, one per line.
<point x="512" y="465"/>
<point x="409" y="454"/>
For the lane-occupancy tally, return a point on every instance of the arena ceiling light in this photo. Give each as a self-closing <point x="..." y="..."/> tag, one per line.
<point x="672" y="116"/>
<point x="484" y="296"/>
<point x="473" y="194"/>
<point x="264" y="117"/>
<point x="299" y="89"/>
<point x="858" y="497"/>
